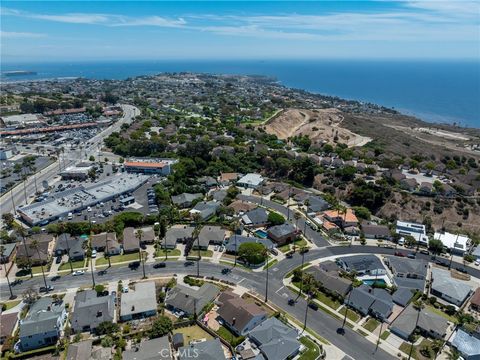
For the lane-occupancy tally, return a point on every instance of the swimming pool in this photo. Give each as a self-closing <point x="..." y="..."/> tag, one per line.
<point x="261" y="233"/>
<point x="370" y="282"/>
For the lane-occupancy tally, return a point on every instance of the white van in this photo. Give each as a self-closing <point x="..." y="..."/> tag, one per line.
<point x="70" y="216"/>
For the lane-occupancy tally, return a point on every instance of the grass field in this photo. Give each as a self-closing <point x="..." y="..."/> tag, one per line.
<point x="75" y="265"/>
<point x="194" y="332"/>
<point x="371" y="324"/>
<point x="405" y="347"/>
<point x="170" y="252"/>
<point x="385" y="335"/>
<point x="312" y="351"/>
<point x="323" y="298"/>
<point x="203" y="253"/>
<point x="117" y="259"/>
<point x="352" y="315"/>
<point x="11" y="304"/>
<point x="442" y="314"/>
<point x="227" y="335"/>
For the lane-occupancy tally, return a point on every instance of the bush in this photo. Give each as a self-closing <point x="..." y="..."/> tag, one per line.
<point x="161" y="326"/>
<point x="275" y="218"/>
<point x="193" y="281"/>
<point x="252" y="253"/>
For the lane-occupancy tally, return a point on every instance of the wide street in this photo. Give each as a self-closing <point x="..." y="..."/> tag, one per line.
<point x="16" y="196"/>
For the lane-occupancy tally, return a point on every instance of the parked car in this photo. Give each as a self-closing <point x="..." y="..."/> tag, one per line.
<point x="189" y="263"/>
<point x="55" y="278"/>
<point x="399" y="253"/>
<point x="291" y="302"/>
<point x="94" y="254"/>
<point x="58" y="260"/>
<point x="45" y="289"/>
<point x="159" y="265"/>
<point x="313" y="305"/>
<point x="411" y="256"/>
<point x="78" y="273"/>
<point x="134" y="265"/>
<point x="226" y="271"/>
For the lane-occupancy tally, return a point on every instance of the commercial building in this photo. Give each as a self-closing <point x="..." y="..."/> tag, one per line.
<point x="79" y="172"/>
<point x="81" y="197"/>
<point x="456" y="244"/>
<point x="160" y="167"/>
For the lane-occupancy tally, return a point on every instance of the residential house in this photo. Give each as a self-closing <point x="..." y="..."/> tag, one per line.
<point x="77" y="250"/>
<point x="205" y="350"/>
<point x="251" y="181"/>
<point x="475" y="300"/>
<point x="153" y="349"/>
<point x="371" y="301"/>
<point x="341" y="219"/>
<point x="8" y="324"/>
<point x="240" y="206"/>
<point x="275" y="339"/>
<point x="316" y="204"/>
<point x="467" y="344"/>
<point x="209" y="235"/>
<point x="429" y="323"/>
<point x="185" y="200"/>
<point x="177" y="341"/>
<point x="176" y="235"/>
<point x="426" y="188"/>
<point x="330" y="280"/>
<point x="455" y="243"/>
<point x="372" y="231"/>
<point x="237" y="314"/>
<point x="228" y="178"/>
<point x="90" y="310"/>
<point x="362" y="265"/>
<point x="449" y="289"/>
<point x="282" y="234"/>
<point x="64" y="243"/>
<point x="205" y="209"/>
<point x="8" y="252"/>
<point x="139" y="303"/>
<point x="235" y="241"/>
<point x="45" y="243"/>
<point x="255" y="218"/>
<point x="418" y="231"/>
<point x="403" y="295"/>
<point x="409" y="275"/>
<point x="130" y="240"/>
<point x="106" y="242"/>
<point x="219" y="195"/>
<point x="80" y="351"/>
<point x="409" y="184"/>
<point x="43" y="324"/>
<point x="190" y="300"/>
<point x="148" y="235"/>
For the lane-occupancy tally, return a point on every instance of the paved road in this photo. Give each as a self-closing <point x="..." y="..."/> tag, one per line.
<point x="71" y="158"/>
<point x="312" y="235"/>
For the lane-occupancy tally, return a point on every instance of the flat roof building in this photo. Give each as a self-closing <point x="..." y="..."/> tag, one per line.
<point x="251" y="181"/>
<point x="160" y="167"/>
<point x="418" y="231"/>
<point x="457" y="244"/>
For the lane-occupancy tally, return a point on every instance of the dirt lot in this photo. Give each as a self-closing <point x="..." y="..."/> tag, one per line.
<point x="320" y="125"/>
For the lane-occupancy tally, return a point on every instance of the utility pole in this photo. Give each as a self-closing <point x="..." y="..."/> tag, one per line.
<point x="301" y="269"/>
<point x="13" y="202"/>
<point x="266" y="282"/>
<point x="306" y="313"/>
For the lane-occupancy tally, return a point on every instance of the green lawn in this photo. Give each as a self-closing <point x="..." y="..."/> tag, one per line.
<point x="441" y="313"/>
<point x="361" y="332"/>
<point x="405" y="347"/>
<point x="385" y="335"/>
<point x="117" y="259"/>
<point x="300" y="243"/>
<point x="352" y="315"/>
<point x="284" y="248"/>
<point x="203" y="253"/>
<point x="323" y="298"/>
<point x="194" y="332"/>
<point x="227" y="335"/>
<point x="11" y="304"/>
<point x="170" y="252"/>
<point x="371" y="324"/>
<point x="311" y="352"/>
<point x="75" y="265"/>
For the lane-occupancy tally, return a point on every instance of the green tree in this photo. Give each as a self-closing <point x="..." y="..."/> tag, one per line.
<point x="91" y="158"/>
<point x="160" y="327"/>
<point x="252" y="253"/>
<point x="107" y="328"/>
<point x="275" y="218"/>
<point x="436" y="246"/>
<point x="8" y="219"/>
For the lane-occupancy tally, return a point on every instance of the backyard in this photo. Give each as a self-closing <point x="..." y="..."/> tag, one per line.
<point x="312" y="350"/>
<point x="193" y="332"/>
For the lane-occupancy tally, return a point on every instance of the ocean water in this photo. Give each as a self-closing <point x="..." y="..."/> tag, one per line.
<point x="437" y="91"/>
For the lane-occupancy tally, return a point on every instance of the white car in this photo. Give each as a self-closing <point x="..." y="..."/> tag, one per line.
<point x="78" y="273"/>
<point x="94" y="254"/>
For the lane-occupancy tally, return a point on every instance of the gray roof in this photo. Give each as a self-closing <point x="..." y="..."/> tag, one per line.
<point x="208" y="234"/>
<point x="330" y="280"/>
<point x="445" y="284"/>
<point x="402" y="296"/>
<point x="79" y="351"/>
<point x="91" y="310"/>
<point x="236" y="311"/>
<point x="154" y="349"/>
<point x="256" y="216"/>
<point x="362" y="263"/>
<point x="476" y="252"/>
<point x="276" y="340"/>
<point x="279" y="231"/>
<point x="186" y="198"/>
<point x="219" y="195"/>
<point x="8" y="249"/>
<point x="467" y="344"/>
<point x="365" y="299"/>
<point x="175" y="234"/>
<point x="42" y="317"/>
<point x="427" y="320"/>
<point x="317" y="204"/>
<point x="76" y="247"/>
<point x="186" y="298"/>
<point x="416" y="284"/>
<point x="140" y="300"/>
<point x="412" y="268"/>
<point x="206" y="350"/>
<point x="130" y="240"/>
<point x="235" y="241"/>
<point x="205" y="209"/>
<point x="376" y="230"/>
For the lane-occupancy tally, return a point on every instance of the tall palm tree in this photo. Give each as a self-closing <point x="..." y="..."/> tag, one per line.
<point x="34" y="245"/>
<point x="140" y="254"/>
<point x="296" y="215"/>
<point x="2" y="252"/>
<point x="89" y="256"/>
<point x="309" y="298"/>
<point x="236" y="226"/>
<point x="23" y="233"/>
<point x="196" y="233"/>
<point x="108" y="228"/>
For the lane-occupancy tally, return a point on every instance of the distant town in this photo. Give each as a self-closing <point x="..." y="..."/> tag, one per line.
<point x="184" y="215"/>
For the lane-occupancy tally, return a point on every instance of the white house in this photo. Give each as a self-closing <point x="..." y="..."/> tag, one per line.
<point x="457" y="244"/>
<point x="418" y="231"/>
<point x="251" y="181"/>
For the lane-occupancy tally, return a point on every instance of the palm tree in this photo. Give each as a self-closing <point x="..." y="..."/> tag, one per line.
<point x="108" y="228"/>
<point x="89" y="255"/>
<point x="265" y="253"/>
<point x="2" y="252"/>
<point x="309" y="297"/>
<point x="236" y="226"/>
<point x="196" y="233"/>
<point x="296" y="216"/>
<point x="23" y="233"/>
<point x="140" y="255"/>
<point x="34" y="245"/>
<point x="301" y="269"/>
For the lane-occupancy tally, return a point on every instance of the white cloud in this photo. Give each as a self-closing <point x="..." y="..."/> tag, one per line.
<point x="18" y="35"/>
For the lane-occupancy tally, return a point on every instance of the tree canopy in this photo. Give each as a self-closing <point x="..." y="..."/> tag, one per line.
<point x="252" y="253"/>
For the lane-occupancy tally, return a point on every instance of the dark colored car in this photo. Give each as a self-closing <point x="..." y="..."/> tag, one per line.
<point x="291" y="302"/>
<point x="441" y="262"/>
<point x="304" y="250"/>
<point x="313" y="305"/>
<point x="16" y="282"/>
<point x="189" y="263"/>
<point x="226" y="271"/>
<point x="341" y="331"/>
<point x="45" y="289"/>
<point x="55" y="278"/>
<point x="462" y="270"/>
<point x="134" y="265"/>
<point x="58" y="260"/>
<point x="289" y="255"/>
<point x="159" y="265"/>
<point x="102" y="272"/>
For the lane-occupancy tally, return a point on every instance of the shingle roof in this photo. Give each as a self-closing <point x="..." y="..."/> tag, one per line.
<point x="185" y="198"/>
<point x="255" y="217"/>
<point x="402" y="296"/>
<point x="365" y="298"/>
<point x="209" y="234"/>
<point x="279" y="231"/>
<point x="91" y="310"/>
<point x="445" y="284"/>
<point x="42" y="317"/>
<point x="142" y="299"/>
<point x="7" y="324"/>
<point x="179" y="234"/>
<point x="154" y="349"/>
<point x="187" y="298"/>
<point x="406" y="266"/>
<point x="130" y="241"/>
<point x="475" y="299"/>
<point x="362" y="262"/>
<point x="427" y="320"/>
<point x="276" y="340"/>
<point x="235" y="241"/>
<point x="467" y="344"/>
<point x="79" y="351"/>
<point x="206" y="350"/>
<point x="330" y="280"/>
<point x="236" y="311"/>
<point x="317" y="204"/>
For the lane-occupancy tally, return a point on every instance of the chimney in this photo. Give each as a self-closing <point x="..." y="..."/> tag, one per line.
<point x="234" y="320"/>
<point x="133" y="308"/>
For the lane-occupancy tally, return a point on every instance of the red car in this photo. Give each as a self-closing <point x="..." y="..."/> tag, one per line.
<point x="398" y="253"/>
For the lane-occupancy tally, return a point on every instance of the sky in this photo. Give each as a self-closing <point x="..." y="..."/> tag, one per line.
<point x="122" y="30"/>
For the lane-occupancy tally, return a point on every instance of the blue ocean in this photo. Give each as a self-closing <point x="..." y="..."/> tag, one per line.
<point x="436" y="91"/>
